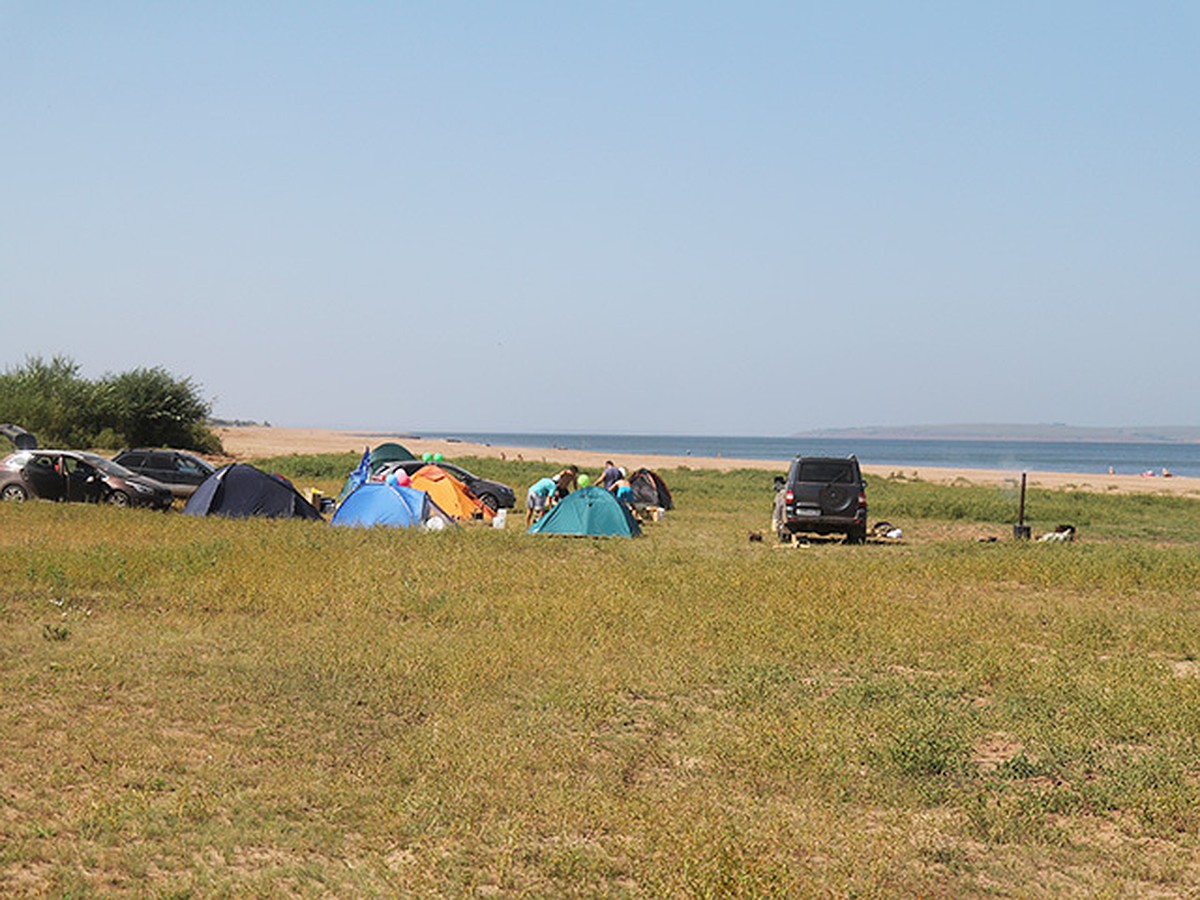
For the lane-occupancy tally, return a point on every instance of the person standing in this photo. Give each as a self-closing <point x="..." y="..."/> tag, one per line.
<point x="539" y="499"/>
<point x="610" y="476"/>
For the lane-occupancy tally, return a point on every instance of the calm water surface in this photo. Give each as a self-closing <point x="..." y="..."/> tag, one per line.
<point x="1016" y="456"/>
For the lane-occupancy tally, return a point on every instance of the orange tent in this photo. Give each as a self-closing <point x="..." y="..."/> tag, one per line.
<point x="450" y="494"/>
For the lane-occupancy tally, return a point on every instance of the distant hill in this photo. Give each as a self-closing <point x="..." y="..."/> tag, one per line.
<point x="1172" y="434"/>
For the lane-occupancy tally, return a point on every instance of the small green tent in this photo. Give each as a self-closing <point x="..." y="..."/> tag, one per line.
<point x="373" y="461"/>
<point x="588" y="511"/>
<point x="386" y="453"/>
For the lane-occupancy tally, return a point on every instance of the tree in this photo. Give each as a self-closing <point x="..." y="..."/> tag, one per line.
<point x="50" y="399"/>
<point x="143" y="407"/>
<point x="150" y="408"/>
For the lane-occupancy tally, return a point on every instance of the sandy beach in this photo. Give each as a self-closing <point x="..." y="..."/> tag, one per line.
<point x="249" y="441"/>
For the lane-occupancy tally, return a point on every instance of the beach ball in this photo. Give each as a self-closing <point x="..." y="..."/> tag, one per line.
<point x="437" y="457"/>
<point x="391" y="479"/>
<point x="403" y="479"/>
<point x="426" y="456"/>
<point x="583" y="481"/>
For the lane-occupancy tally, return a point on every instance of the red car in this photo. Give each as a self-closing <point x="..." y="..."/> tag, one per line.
<point x="76" y="476"/>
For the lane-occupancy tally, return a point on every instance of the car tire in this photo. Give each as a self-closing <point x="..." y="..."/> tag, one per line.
<point x="117" y="498"/>
<point x="857" y="535"/>
<point x="490" y="502"/>
<point x="837" y="498"/>
<point x="14" y="493"/>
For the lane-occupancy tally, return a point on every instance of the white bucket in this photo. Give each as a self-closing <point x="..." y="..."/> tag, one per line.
<point x="501" y="516"/>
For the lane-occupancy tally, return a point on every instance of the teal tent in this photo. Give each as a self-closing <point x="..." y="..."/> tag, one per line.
<point x="588" y="511"/>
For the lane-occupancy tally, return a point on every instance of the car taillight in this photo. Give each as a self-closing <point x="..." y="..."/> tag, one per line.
<point x="862" y="498"/>
<point x="789" y="497"/>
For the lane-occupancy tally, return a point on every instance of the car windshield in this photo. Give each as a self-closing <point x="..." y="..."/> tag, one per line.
<point x="107" y="466"/>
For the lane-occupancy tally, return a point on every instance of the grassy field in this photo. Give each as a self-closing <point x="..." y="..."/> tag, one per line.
<point x="229" y="708"/>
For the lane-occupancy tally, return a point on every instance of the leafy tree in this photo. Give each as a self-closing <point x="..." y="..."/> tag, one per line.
<point x="51" y="399"/>
<point x="142" y="407"/>
<point x="150" y="408"/>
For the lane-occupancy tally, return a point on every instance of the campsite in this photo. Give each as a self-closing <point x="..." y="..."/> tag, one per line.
<point x="200" y="705"/>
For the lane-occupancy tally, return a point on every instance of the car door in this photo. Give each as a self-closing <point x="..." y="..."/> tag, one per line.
<point x="189" y="471"/>
<point x="161" y="467"/>
<point x="84" y="483"/>
<point x="45" y="476"/>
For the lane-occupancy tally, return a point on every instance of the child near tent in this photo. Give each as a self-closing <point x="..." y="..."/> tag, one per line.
<point x="623" y="491"/>
<point x="539" y="499"/>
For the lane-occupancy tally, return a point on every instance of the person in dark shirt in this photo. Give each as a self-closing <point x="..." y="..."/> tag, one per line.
<point x="610" y="476"/>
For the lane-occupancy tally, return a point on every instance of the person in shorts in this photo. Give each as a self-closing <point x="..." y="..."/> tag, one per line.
<point x="539" y="499"/>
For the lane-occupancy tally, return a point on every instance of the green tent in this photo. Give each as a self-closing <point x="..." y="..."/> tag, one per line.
<point x="386" y="453"/>
<point x="374" y="460"/>
<point x="588" y="511"/>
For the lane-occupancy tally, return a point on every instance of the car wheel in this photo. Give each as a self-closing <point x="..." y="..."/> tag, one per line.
<point x="857" y="535"/>
<point x="490" y="502"/>
<point x="14" y="493"/>
<point x="836" y="498"/>
<point x="117" y="498"/>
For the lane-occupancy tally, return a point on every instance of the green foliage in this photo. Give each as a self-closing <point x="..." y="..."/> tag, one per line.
<point x="331" y="466"/>
<point x="50" y="399"/>
<point x="142" y="407"/>
<point x="150" y="408"/>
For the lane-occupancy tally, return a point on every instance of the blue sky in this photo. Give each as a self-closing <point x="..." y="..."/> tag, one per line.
<point x="654" y="217"/>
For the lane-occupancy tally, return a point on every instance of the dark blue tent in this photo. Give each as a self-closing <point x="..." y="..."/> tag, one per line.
<point x="377" y="503"/>
<point x="240" y="490"/>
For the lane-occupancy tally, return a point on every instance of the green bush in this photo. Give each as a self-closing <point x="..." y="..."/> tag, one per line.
<point x="142" y="407"/>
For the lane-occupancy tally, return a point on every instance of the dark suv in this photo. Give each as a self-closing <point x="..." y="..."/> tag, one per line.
<point x="821" y="495"/>
<point x="181" y="472"/>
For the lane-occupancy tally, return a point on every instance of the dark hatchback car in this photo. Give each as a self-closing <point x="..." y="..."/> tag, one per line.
<point x="821" y="495"/>
<point x="72" y="475"/>
<point x="493" y="493"/>
<point x="181" y="472"/>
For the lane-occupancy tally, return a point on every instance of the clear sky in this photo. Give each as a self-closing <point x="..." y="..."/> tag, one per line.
<point x="686" y="217"/>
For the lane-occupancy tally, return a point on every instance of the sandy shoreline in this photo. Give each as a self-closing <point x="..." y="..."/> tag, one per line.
<point x="249" y="441"/>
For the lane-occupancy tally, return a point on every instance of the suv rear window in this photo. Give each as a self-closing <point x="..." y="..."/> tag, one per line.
<point x="826" y="472"/>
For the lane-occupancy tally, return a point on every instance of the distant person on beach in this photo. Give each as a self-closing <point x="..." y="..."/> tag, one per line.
<point x="539" y="499"/>
<point x="610" y="476"/>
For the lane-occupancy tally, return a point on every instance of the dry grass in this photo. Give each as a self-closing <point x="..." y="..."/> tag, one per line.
<point x="196" y="707"/>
